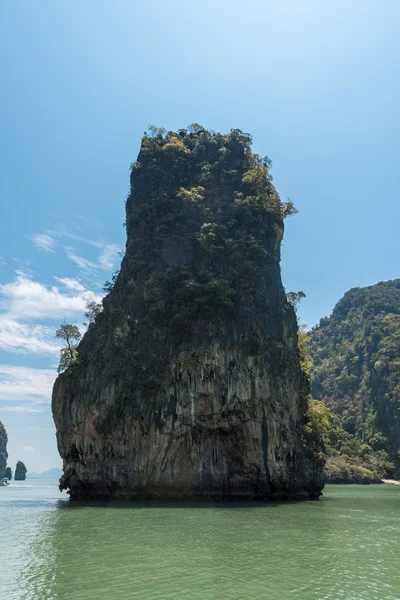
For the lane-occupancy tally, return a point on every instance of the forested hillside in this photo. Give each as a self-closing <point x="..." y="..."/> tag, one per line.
<point x="356" y="372"/>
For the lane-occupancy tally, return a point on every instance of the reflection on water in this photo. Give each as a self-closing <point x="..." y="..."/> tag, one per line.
<point x="343" y="546"/>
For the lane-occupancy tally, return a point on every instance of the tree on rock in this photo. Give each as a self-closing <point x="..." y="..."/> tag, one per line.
<point x="294" y="298"/>
<point x="69" y="355"/>
<point x="92" y="310"/>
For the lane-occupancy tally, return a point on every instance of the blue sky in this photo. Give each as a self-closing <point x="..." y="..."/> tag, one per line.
<point x="316" y="83"/>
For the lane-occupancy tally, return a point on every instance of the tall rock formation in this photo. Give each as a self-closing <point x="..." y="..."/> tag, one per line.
<point x="356" y="372"/>
<point x="189" y="384"/>
<point x="3" y="450"/>
<point x="9" y="473"/>
<point x="20" y="471"/>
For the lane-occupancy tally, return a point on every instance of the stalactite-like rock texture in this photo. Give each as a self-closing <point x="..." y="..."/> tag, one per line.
<point x="188" y="384"/>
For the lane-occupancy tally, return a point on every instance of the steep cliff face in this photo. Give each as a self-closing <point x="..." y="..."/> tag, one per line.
<point x="3" y="450"/>
<point x="20" y="471"/>
<point x="189" y="384"/>
<point x="356" y="368"/>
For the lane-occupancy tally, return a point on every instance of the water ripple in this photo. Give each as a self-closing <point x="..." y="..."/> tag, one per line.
<point x="342" y="547"/>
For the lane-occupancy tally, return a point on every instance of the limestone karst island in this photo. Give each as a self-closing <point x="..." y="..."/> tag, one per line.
<point x="188" y="384"/>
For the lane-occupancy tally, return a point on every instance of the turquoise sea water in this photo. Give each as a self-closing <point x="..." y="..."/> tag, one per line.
<point x="344" y="546"/>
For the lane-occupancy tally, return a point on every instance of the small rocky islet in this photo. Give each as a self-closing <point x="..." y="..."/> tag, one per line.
<point x="6" y="472"/>
<point x="20" y="471"/>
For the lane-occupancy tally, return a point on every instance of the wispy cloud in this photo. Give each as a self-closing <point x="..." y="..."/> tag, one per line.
<point x="82" y="263"/>
<point x="28" y="449"/>
<point x="24" y="299"/>
<point x="109" y="256"/>
<point x="26" y="385"/>
<point x="70" y="284"/>
<point x="44" y="242"/>
<point x="23" y="266"/>
<point x="23" y="338"/>
<point x="84" y="240"/>
<point x="24" y="408"/>
<point x="28" y="306"/>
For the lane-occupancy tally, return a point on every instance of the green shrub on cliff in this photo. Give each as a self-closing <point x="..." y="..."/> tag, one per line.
<point x="305" y="357"/>
<point x="69" y="355"/>
<point x="92" y="310"/>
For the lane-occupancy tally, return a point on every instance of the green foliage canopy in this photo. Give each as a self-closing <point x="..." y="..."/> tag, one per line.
<point x="356" y="365"/>
<point x="69" y="355"/>
<point x="92" y="310"/>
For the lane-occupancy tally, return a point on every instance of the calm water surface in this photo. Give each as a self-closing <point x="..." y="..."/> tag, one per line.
<point x="347" y="545"/>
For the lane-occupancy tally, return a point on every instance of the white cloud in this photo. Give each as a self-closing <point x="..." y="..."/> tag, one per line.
<point x="44" y="242"/>
<point x="24" y="384"/>
<point x="81" y="262"/>
<point x="22" y="338"/>
<point x="70" y="284"/>
<point x="28" y="449"/>
<point x="24" y="267"/>
<point x="2" y="262"/>
<point x="24" y="299"/>
<point x="109" y="256"/>
<point x="79" y="238"/>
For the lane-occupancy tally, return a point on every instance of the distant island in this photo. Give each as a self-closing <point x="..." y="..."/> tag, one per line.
<point x="49" y="474"/>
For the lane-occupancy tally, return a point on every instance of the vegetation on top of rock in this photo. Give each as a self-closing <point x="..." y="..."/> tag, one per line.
<point x="204" y="198"/>
<point x="356" y="369"/>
